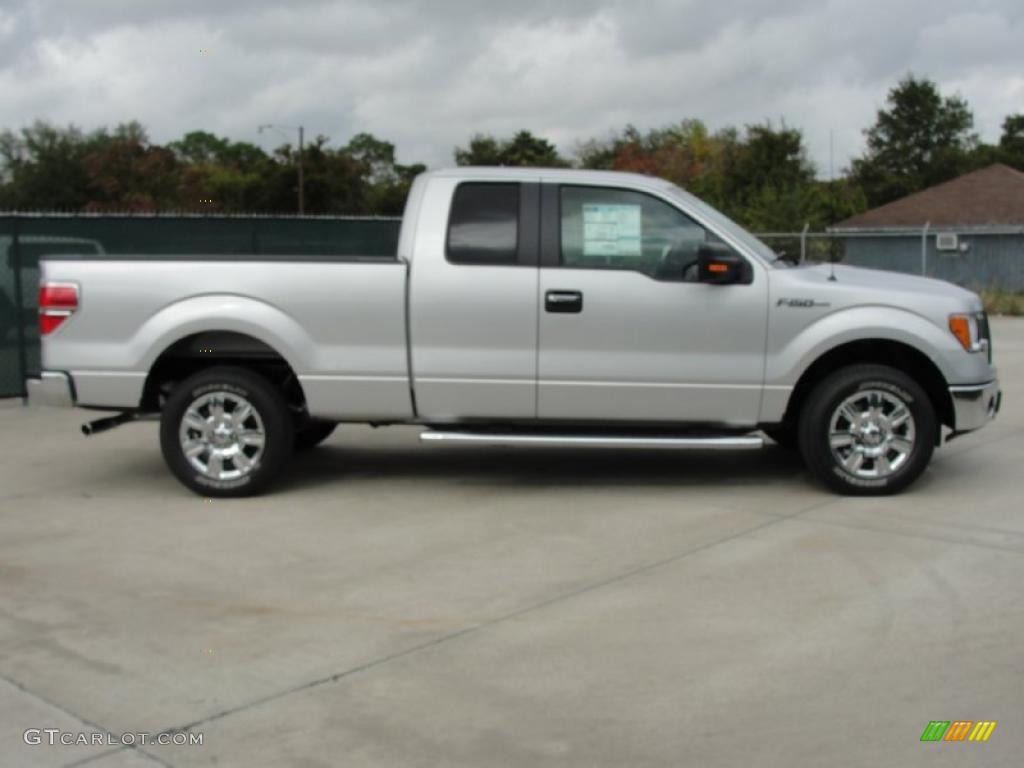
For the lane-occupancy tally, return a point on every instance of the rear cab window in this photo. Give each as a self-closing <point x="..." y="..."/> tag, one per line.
<point x="483" y="227"/>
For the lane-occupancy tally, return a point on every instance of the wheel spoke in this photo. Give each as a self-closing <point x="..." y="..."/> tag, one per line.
<point x="242" y="462"/>
<point x="901" y="444"/>
<point x="853" y="462"/>
<point x="841" y="439"/>
<point x="882" y="465"/>
<point x="240" y="414"/>
<point x="851" y="414"/>
<point x="899" y="416"/>
<point x="194" y="420"/>
<point x="215" y="466"/>
<point x="193" y="448"/>
<point x="251" y="438"/>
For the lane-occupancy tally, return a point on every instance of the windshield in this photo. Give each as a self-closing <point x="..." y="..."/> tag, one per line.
<point x="724" y="223"/>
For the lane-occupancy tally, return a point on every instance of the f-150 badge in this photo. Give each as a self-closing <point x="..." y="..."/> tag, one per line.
<point x="801" y="303"/>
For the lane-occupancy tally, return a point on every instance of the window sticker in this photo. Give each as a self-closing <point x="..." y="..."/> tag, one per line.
<point x="611" y="230"/>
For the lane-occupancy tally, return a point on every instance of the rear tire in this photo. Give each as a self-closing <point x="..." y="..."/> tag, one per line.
<point x="867" y="430"/>
<point x="226" y="432"/>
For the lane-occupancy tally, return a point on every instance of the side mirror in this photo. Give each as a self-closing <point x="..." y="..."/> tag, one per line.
<point x="718" y="265"/>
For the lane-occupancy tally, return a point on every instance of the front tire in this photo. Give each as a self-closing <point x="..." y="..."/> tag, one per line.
<point x="867" y="430"/>
<point x="226" y="432"/>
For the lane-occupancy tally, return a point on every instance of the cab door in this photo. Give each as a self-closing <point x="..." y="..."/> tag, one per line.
<point x="473" y="300"/>
<point x="626" y="332"/>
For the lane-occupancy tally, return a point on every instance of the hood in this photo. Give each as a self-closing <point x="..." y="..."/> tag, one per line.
<point x="885" y="287"/>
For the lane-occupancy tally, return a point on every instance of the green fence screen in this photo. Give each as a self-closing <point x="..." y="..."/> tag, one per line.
<point x="25" y="238"/>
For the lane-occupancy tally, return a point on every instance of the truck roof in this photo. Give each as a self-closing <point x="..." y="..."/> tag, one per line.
<point x="554" y="175"/>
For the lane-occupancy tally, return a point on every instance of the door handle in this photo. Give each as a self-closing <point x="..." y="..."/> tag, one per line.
<point x="568" y="302"/>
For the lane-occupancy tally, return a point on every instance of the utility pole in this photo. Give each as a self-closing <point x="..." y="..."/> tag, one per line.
<point x="302" y="185"/>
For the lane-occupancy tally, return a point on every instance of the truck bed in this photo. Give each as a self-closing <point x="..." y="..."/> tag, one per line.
<point x="339" y="322"/>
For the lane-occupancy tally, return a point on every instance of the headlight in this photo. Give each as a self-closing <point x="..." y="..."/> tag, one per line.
<point x="967" y="329"/>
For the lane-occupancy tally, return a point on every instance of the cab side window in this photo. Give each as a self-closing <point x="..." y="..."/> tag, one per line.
<point x="607" y="228"/>
<point x="483" y="227"/>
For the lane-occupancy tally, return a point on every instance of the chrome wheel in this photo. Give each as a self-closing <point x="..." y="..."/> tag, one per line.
<point x="222" y="435"/>
<point x="872" y="433"/>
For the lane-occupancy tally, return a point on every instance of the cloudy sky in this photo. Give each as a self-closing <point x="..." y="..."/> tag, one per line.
<point x="426" y="74"/>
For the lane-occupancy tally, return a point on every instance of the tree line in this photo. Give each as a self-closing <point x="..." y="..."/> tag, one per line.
<point x="760" y="175"/>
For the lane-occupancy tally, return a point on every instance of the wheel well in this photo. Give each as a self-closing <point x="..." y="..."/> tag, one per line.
<point x="895" y="354"/>
<point x="207" y="348"/>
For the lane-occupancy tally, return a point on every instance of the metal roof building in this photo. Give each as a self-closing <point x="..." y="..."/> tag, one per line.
<point x="969" y="231"/>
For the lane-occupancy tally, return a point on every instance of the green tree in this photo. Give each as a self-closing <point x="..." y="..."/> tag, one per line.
<point x="839" y="199"/>
<point x="766" y="181"/>
<point x="335" y="181"/>
<point x="41" y="168"/>
<point x="227" y="188"/>
<point x="375" y="157"/>
<point x="1011" y="144"/>
<point x="46" y="167"/>
<point x="920" y="139"/>
<point x="386" y="182"/>
<point x="482" y="150"/>
<point x="681" y="153"/>
<point x="198" y="147"/>
<point x="761" y="176"/>
<point x="523" y="149"/>
<point x="596" y="154"/>
<point x="221" y="175"/>
<point x="127" y="172"/>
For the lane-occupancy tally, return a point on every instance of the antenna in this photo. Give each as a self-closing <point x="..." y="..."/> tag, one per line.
<point x="832" y="193"/>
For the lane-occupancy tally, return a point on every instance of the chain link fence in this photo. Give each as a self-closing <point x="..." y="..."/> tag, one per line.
<point x="978" y="258"/>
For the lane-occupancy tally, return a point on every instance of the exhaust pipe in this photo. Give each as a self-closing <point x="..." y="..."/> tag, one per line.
<point x="102" y="425"/>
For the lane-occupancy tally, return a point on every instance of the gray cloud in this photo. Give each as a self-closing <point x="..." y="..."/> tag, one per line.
<point x="427" y="75"/>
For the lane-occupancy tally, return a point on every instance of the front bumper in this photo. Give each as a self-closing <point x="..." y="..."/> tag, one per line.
<point x="975" y="405"/>
<point x="52" y="388"/>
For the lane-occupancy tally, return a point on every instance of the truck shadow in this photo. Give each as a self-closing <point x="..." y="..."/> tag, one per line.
<point x="540" y="467"/>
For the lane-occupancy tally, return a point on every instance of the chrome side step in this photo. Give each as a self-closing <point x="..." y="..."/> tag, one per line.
<point x="596" y="441"/>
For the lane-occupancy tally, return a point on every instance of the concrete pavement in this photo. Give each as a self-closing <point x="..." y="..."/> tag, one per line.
<point x="393" y="604"/>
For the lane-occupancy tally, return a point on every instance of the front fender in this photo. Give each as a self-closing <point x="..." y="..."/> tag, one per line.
<point x="790" y="355"/>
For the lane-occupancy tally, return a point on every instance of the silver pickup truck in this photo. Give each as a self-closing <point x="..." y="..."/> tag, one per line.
<point x="525" y="307"/>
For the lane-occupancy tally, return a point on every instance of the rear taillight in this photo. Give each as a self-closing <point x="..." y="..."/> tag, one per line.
<point x="57" y="302"/>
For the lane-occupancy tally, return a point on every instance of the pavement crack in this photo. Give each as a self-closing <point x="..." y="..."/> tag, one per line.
<point x="85" y="722"/>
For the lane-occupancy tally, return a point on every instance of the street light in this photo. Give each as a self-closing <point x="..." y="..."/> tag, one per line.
<point x="281" y="129"/>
